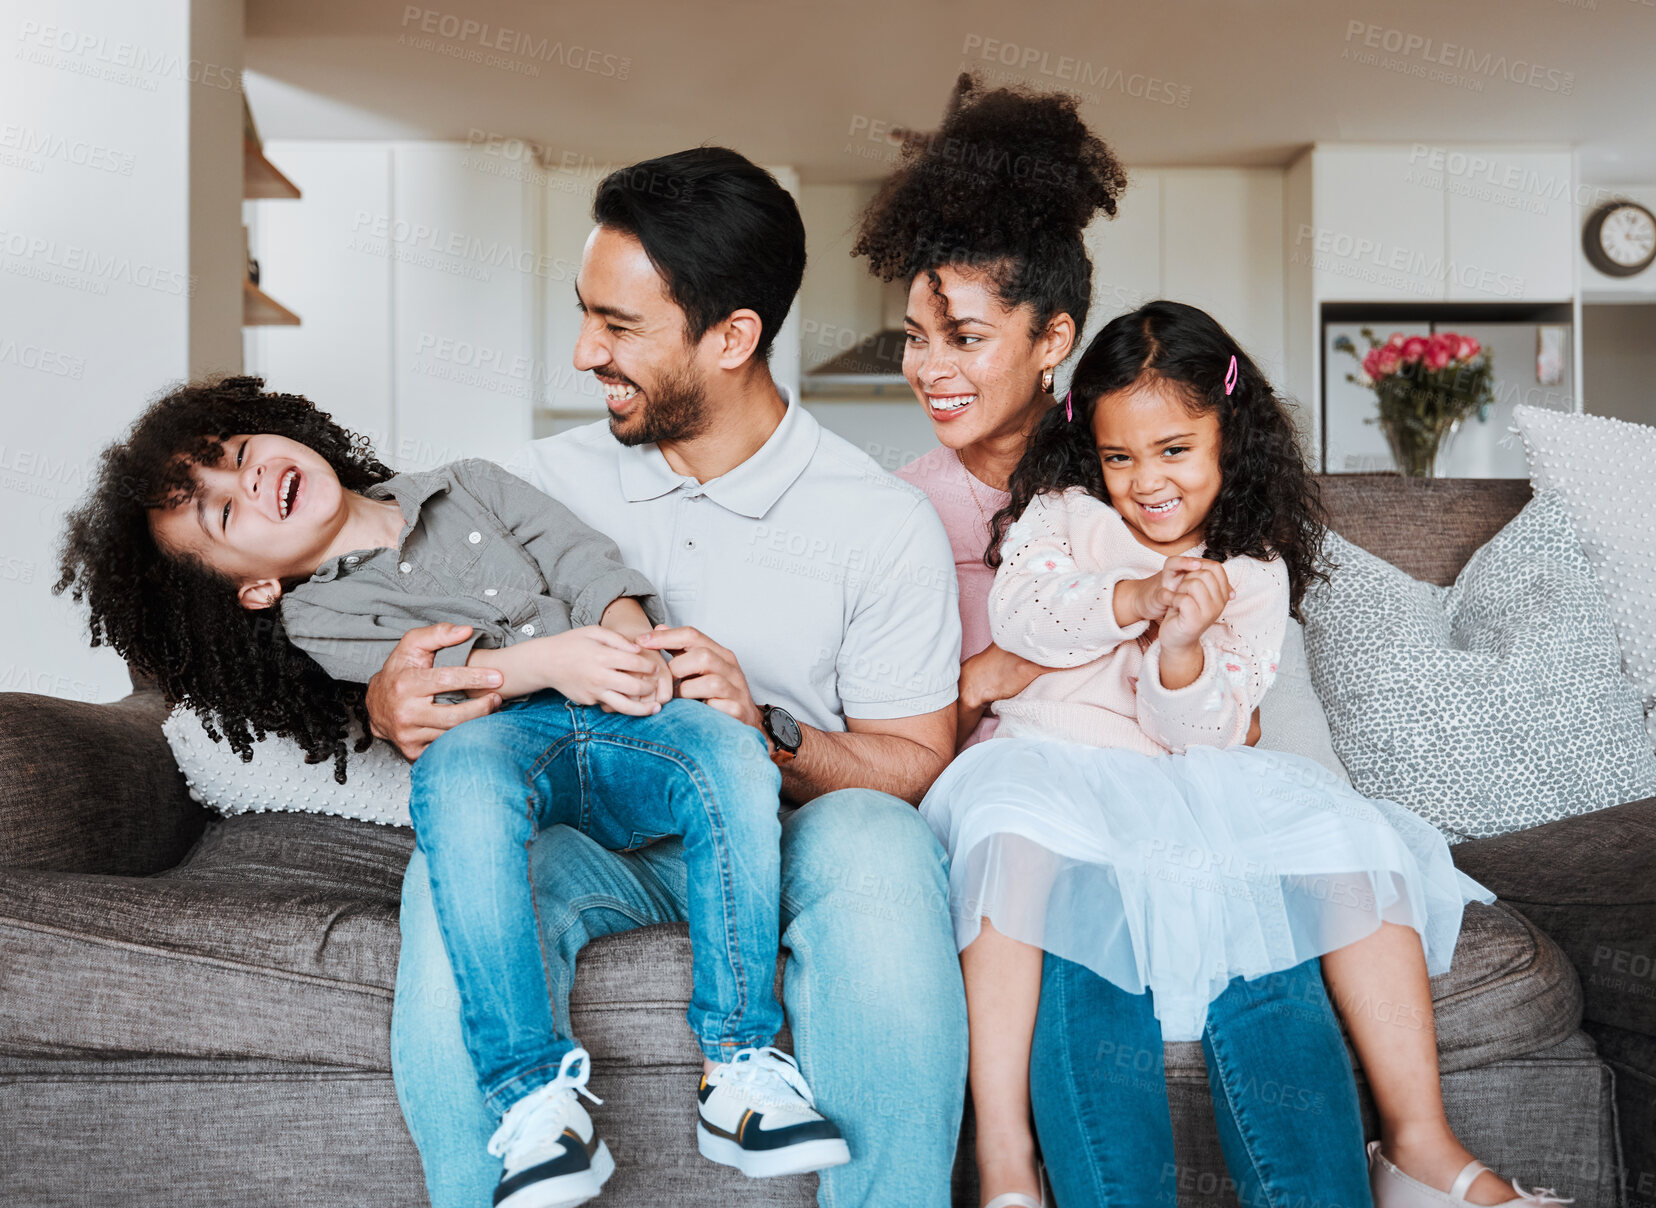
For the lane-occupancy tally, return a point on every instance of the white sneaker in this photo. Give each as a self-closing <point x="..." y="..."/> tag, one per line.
<point x="552" y="1158"/>
<point x="758" y="1115"/>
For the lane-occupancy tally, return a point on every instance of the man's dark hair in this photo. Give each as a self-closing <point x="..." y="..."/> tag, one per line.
<point x="723" y="234"/>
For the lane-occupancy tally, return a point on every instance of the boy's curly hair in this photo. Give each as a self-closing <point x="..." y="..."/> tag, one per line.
<point x="174" y="618"/>
<point x="1269" y="504"/>
<point x="1005" y="187"/>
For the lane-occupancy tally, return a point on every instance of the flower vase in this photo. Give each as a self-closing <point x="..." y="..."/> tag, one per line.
<point x="1420" y="450"/>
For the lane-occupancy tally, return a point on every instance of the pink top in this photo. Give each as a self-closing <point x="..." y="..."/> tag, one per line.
<point x="1053" y="603"/>
<point x="966" y="506"/>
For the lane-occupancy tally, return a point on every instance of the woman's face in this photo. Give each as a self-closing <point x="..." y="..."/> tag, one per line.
<point x="973" y="363"/>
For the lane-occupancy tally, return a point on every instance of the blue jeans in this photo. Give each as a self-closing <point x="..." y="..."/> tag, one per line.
<point x="485" y="789"/>
<point x="872" y="988"/>
<point x="1283" y="1093"/>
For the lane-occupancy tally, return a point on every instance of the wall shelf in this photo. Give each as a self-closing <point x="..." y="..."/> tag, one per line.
<point x="259" y="309"/>
<point x="263" y="180"/>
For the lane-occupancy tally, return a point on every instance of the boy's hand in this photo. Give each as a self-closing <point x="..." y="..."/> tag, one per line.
<point x="1201" y="595"/>
<point x="593" y="665"/>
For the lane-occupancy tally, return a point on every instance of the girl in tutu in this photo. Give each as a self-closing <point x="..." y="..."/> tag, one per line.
<point x="1161" y="530"/>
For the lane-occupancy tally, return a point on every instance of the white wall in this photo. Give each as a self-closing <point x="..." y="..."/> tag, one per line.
<point x="416" y="271"/>
<point x="97" y="269"/>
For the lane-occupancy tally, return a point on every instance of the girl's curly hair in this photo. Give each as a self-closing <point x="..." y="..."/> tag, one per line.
<point x="1005" y="187"/>
<point x="174" y="618"/>
<point x="1268" y="505"/>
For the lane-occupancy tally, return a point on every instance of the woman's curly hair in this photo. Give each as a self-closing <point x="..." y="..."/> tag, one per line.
<point x="1005" y="187"/>
<point x="177" y="620"/>
<point x="1268" y="505"/>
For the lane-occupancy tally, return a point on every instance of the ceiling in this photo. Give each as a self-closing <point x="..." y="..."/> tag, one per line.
<point x="816" y="84"/>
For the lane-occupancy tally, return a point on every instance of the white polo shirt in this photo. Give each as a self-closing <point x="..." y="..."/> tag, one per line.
<point x="831" y="580"/>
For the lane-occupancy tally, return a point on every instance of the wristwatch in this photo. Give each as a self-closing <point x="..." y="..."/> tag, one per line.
<point x="783" y="731"/>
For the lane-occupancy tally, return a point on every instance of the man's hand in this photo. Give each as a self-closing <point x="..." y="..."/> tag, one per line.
<point x="706" y="671"/>
<point x="400" y="708"/>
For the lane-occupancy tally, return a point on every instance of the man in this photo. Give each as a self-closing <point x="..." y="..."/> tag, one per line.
<point x="810" y="595"/>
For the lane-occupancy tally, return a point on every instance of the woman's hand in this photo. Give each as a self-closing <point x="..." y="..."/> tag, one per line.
<point x="593" y="665"/>
<point x="1201" y="595"/>
<point x="994" y="674"/>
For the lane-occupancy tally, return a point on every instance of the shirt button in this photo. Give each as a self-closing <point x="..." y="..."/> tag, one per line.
<point x="527" y="631"/>
<point x="690" y="544"/>
<point x="474" y="538"/>
<point x="405" y="567"/>
<point x="352" y="560"/>
<point x="491" y="591"/>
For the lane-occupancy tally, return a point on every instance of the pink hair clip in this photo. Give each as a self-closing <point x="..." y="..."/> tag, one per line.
<point x="1069" y="409"/>
<point x="1230" y="377"/>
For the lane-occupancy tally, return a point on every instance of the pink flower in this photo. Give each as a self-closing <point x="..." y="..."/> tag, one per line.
<point x="1371" y="364"/>
<point x="1466" y="348"/>
<point x="1413" y="349"/>
<point x="1395" y="341"/>
<point x="1440" y="349"/>
<point x="1389" y="361"/>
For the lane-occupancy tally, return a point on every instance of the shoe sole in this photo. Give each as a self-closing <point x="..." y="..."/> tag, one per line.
<point x="567" y="1190"/>
<point x="803" y="1158"/>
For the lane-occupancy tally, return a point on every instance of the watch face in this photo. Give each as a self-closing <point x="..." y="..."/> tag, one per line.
<point x="783" y="728"/>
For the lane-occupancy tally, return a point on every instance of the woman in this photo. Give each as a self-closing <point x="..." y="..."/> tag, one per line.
<point x="984" y="222"/>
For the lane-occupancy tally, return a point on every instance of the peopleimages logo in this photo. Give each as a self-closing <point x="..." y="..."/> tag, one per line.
<point x="1429" y="52"/>
<point x="515" y="42"/>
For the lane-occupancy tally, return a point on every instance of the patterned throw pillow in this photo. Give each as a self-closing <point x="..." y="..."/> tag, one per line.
<point x="1486" y="707"/>
<point x="278" y="778"/>
<point x="1606" y="471"/>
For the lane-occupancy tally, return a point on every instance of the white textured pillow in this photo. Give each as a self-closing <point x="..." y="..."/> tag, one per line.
<point x="1291" y="718"/>
<point x="1605" y="469"/>
<point x="1486" y="707"/>
<point x="278" y="778"/>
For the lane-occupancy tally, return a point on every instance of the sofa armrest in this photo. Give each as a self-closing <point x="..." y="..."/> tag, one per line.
<point x="91" y="788"/>
<point x="1589" y="882"/>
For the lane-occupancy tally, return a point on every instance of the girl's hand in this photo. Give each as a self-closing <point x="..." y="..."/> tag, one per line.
<point x="593" y="665"/>
<point x="994" y="674"/>
<point x="1149" y="599"/>
<point x="1200" y="597"/>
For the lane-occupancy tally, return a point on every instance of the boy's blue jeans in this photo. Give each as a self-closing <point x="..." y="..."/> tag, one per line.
<point x="485" y="789"/>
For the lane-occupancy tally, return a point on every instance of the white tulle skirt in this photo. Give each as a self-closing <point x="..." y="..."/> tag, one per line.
<point x="1176" y="873"/>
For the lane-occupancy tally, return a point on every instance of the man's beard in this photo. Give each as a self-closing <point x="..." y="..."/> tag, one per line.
<point x="675" y="410"/>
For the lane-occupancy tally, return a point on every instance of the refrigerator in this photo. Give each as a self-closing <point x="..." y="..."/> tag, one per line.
<point x="1531" y="364"/>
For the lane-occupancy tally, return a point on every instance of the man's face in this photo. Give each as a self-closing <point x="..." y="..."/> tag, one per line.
<point x="633" y="341"/>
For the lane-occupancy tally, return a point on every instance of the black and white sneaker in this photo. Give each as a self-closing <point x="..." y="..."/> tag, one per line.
<point x="552" y="1157"/>
<point x="758" y="1115"/>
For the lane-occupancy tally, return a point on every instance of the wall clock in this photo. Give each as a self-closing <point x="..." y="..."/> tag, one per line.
<point x="1620" y="238"/>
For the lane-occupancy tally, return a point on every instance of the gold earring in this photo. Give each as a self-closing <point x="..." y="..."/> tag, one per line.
<point x="1046" y="380"/>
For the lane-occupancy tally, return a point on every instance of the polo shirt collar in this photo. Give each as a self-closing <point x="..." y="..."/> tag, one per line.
<point x="749" y="489"/>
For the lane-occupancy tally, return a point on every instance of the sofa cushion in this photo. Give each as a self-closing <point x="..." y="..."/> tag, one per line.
<point x="276" y="938"/>
<point x="1591" y="883"/>
<point x="1489" y="706"/>
<point x="1508" y="992"/>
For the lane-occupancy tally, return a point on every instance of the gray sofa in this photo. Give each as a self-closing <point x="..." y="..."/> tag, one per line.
<point x="194" y="1010"/>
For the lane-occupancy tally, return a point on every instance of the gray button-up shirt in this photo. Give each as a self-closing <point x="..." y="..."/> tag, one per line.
<point x="479" y="547"/>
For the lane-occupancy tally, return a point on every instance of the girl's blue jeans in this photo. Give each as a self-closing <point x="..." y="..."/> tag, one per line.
<point x="485" y="789"/>
<point x="1283" y="1094"/>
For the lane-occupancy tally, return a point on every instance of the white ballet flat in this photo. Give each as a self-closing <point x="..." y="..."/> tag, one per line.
<point x="1394" y="1189"/>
